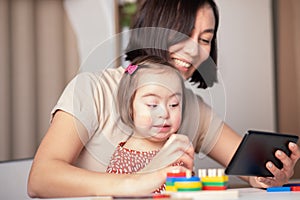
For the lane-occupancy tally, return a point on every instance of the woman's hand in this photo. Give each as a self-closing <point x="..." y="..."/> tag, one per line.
<point x="281" y="176"/>
<point x="178" y="148"/>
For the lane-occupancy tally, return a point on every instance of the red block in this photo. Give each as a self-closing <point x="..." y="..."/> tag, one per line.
<point x="295" y="188"/>
<point x="179" y="174"/>
<point x="214" y="188"/>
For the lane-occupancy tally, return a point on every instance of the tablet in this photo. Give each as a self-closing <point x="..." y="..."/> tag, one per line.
<point x="255" y="150"/>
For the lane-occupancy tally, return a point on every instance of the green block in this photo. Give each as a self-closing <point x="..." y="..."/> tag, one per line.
<point x="188" y="189"/>
<point x="170" y="183"/>
<point x="214" y="183"/>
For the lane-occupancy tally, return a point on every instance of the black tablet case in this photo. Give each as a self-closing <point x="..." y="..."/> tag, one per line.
<point x="255" y="150"/>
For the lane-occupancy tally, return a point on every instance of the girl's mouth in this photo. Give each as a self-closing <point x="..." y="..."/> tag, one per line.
<point x="163" y="128"/>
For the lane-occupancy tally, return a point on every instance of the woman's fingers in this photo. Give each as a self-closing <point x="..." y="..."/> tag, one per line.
<point x="295" y="155"/>
<point x="281" y="176"/>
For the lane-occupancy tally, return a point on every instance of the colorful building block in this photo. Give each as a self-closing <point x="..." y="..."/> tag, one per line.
<point x="213" y="179"/>
<point x="181" y="182"/>
<point x="192" y="187"/>
<point x="278" y="189"/>
<point x="290" y="187"/>
<point x="208" y="179"/>
<point x="295" y="188"/>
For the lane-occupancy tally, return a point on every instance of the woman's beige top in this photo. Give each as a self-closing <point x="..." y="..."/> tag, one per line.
<point x="91" y="98"/>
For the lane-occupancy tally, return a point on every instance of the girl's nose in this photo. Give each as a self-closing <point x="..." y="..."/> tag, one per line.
<point x="163" y="112"/>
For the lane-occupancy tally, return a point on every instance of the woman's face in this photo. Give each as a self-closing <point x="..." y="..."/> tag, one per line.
<point x="189" y="54"/>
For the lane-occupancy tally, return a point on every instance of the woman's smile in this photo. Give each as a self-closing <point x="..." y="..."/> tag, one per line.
<point x="181" y="65"/>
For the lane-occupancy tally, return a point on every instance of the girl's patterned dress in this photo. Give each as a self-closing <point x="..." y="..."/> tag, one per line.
<point x="127" y="161"/>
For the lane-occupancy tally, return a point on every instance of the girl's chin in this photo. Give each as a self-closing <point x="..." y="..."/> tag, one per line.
<point x="160" y="137"/>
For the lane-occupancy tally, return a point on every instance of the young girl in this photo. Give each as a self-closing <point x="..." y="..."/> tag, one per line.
<point x="84" y="132"/>
<point x="151" y="105"/>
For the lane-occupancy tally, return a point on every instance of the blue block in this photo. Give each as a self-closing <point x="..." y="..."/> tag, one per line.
<point x="183" y="179"/>
<point x="279" y="189"/>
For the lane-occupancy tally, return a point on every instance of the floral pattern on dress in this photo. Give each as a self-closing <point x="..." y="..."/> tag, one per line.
<point x="127" y="161"/>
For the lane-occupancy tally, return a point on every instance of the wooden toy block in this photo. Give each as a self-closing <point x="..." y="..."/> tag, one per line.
<point x="182" y="181"/>
<point x="213" y="179"/>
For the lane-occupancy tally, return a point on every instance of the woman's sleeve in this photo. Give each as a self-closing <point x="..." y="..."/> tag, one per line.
<point x="210" y="127"/>
<point x="200" y="123"/>
<point x="81" y="99"/>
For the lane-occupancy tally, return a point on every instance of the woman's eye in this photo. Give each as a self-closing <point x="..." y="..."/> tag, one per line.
<point x="204" y="41"/>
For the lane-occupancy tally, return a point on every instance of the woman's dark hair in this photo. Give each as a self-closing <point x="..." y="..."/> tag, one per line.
<point x="161" y="23"/>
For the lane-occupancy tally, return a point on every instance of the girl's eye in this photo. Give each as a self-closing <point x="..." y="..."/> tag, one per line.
<point x="152" y="105"/>
<point x="174" y="105"/>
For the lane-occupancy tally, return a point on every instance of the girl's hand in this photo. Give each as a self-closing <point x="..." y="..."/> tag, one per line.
<point x="281" y="176"/>
<point x="178" y="148"/>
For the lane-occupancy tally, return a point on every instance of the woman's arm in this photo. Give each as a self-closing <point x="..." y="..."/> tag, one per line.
<point x="227" y="144"/>
<point x="53" y="175"/>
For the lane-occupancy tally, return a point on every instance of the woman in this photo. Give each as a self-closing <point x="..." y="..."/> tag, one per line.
<point x="73" y="156"/>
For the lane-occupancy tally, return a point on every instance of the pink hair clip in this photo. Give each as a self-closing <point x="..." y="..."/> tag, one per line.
<point x="131" y="69"/>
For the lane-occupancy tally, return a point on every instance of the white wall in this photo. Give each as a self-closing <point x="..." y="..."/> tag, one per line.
<point x="246" y="63"/>
<point x="245" y="96"/>
<point x="94" y="25"/>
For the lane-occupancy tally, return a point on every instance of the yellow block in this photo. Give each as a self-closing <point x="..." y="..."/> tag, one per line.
<point x="186" y="184"/>
<point x="171" y="188"/>
<point x="214" y="179"/>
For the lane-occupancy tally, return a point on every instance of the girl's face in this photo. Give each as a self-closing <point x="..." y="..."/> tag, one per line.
<point x="189" y="54"/>
<point x="157" y="107"/>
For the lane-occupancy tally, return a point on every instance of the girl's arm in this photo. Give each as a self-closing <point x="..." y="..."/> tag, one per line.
<point x="227" y="145"/>
<point x="53" y="175"/>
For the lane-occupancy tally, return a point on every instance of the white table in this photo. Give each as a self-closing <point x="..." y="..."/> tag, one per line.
<point x="260" y="194"/>
<point x="244" y="194"/>
<point x="13" y="178"/>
